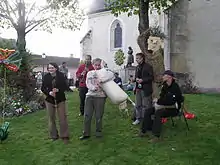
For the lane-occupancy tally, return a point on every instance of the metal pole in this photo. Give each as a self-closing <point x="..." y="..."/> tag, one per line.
<point x="43" y="69"/>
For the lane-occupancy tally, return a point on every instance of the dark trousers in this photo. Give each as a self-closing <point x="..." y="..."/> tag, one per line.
<point x="82" y="95"/>
<point x="142" y="103"/>
<point x="155" y="125"/>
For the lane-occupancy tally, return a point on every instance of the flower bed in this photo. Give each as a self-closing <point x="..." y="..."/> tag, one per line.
<point x="16" y="106"/>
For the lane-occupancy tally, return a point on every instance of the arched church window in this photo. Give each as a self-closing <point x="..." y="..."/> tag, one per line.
<point x="118" y="36"/>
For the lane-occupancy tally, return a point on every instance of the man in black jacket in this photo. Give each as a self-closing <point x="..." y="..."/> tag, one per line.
<point x="143" y="87"/>
<point x="167" y="105"/>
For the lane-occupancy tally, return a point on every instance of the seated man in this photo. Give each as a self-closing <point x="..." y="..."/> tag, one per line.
<point x="118" y="80"/>
<point x="167" y="105"/>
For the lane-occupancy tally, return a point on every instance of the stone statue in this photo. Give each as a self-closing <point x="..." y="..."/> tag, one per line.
<point x="130" y="57"/>
<point x="155" y="58"/>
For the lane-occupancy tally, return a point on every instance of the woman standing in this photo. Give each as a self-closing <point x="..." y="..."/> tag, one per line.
<point x="53" y="86"/>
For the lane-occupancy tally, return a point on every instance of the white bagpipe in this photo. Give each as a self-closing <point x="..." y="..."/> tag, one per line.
<point x="112" y="90"/>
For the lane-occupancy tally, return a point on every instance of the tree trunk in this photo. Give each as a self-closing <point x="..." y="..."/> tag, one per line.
<point x="143" y="26"/>
<point x="21" y="41"/>
<point x="142" y="41"/>
<point x="24" y="73"/>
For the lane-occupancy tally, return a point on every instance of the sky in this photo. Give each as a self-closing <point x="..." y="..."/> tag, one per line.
<point x="60" y="43"/>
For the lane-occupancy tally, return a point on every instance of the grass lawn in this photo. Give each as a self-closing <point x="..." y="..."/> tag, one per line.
<point x="26" y="144"/>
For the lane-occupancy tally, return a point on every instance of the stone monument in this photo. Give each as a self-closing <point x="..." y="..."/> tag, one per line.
<point x="130" y="57"/>
<point x="156" y="59"/>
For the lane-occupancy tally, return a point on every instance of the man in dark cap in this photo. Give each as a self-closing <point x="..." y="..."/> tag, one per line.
<point x="167" y="105"/>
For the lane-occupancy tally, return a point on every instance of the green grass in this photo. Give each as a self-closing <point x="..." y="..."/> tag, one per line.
<point x="26" y="144"/>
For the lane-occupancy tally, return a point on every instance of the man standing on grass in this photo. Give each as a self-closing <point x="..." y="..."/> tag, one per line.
<point x="81" y="74"/>
<point x="143" y="87"/>
<point x="63" y="68"/>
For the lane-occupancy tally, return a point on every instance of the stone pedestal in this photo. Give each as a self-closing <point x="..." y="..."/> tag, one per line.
<point x="129" y="71"/>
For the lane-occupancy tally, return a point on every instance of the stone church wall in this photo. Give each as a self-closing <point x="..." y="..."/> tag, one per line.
<point x="177" y="19"/>
<point x="195" y="41"/>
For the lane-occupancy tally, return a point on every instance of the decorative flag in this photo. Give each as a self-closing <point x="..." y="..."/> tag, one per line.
<point x="11" y="59"/>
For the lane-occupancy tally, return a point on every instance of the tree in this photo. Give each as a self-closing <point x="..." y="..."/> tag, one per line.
<point x="119" y="57"/>
<point x="7" y="43"/>
<point x="24" y="17"/>
<point x="140" y="8"/>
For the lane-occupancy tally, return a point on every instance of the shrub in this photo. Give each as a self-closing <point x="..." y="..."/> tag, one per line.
<point x="186" y="83"/>
<point x="119" y="57"/>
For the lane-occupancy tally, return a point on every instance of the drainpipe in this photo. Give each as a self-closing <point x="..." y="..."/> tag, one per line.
<point x="166" y="42"/>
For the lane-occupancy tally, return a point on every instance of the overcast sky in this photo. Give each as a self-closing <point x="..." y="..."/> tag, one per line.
<point x="59" y="43"/>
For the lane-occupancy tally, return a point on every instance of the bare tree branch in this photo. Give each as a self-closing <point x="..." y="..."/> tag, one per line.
<point x="28" y="13"/>
<point x="13" y="10"/>
<point x="5" y="13"/>
<point x="10" y="19"/>
<point x="34" y="17"/>
<point x="37" y="23"/>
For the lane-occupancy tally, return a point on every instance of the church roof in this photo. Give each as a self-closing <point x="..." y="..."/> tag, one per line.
<point x="98" y="6"/>
<point x="85" y="36"/>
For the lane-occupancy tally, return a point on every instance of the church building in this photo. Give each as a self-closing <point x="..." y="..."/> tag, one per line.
<point x="107" y="33"/>
<point x="191" y="46"/>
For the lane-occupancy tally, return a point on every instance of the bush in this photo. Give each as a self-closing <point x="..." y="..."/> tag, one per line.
<point x="119" y="57"/>
<point x="185" y="81"/>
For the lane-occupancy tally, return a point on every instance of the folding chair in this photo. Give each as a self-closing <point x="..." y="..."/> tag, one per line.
<point x="182" y="110"/>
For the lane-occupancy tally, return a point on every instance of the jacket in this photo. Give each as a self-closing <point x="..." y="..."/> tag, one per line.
<point x="145" y="72"/>
<point x="82" y="79"/>
<point x="60" y="84"/>
<point x="92" y="82"/>
<point x="118" y="81"/>
<point x="170" y="95"/>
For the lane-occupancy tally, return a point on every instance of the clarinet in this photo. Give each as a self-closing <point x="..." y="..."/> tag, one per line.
<point x="53" y="86"/>
<point x="86" y="69"/>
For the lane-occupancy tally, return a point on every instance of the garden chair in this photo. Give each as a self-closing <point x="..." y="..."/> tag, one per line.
<point x="181" y="113"/>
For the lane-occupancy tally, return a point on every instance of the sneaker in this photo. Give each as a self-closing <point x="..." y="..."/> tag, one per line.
<point x="81" y="114"/>
<point x="136" y="122"/>
<point x="84" y="137"/>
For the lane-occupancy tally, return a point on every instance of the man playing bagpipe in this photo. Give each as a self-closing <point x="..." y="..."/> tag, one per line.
<point x="95" y="100"/>
<point x="167" y="105"/>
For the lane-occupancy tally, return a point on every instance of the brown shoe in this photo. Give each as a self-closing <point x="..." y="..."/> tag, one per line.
<point x="155" y="140"/>
<point x="146" y="134"/>
<point x="65" y="140"/>
<point x="141" y="134"/>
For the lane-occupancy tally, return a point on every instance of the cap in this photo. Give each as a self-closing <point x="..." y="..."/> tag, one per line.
<point x="169" y="72"/>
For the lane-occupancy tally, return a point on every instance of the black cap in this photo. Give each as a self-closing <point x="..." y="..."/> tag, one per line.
<point x="169" y="72"/>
